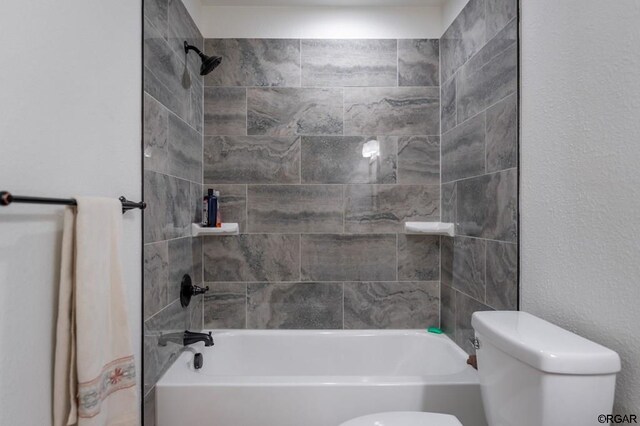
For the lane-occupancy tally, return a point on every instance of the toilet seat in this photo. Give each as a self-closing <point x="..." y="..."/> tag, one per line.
<point x="404" y="418"/>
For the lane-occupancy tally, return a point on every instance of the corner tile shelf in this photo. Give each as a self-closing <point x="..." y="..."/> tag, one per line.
<point x="429" y="228"/>
<point x="225" y="229"/>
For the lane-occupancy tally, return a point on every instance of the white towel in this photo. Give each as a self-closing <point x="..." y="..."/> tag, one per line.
<point x="94" y="374"/>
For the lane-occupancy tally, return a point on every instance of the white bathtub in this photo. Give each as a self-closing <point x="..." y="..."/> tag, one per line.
<point x="317" y="378"/>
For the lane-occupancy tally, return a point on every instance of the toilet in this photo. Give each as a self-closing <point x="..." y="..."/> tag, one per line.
<point x="404" y="418"/>
<point x="532" y="373"/>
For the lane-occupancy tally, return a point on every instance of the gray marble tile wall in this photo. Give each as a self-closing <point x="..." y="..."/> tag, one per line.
<point x="479" y="125"/>
<point x="321" y="243"/>
<point x="173" y="103"/>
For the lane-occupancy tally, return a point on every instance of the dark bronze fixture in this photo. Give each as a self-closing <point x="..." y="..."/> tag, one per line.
<point x="209" y="63"/>
<point x="191" y="337"/>
<point x="188" y="290"/>
<point x="6" y="198"/>
<point x="185" y="338"/>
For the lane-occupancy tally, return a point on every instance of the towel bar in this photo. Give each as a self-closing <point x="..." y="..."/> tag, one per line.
<point x="7" y="198"/>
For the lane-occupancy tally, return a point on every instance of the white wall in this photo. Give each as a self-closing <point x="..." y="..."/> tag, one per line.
<point x="450" y="11"/>
<point x="70" y="82"/>
<point x="194" y="7"/>
<point x="320" y="22"/>
<point x="580" y="196"/>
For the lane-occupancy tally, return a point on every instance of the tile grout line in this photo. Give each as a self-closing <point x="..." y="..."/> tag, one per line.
<point x="343" y="324"/>
<point x="246" y="305"/>
<point x="172" y="176"/>
<point x="344" y="209"/>
<point x="299" y="257"/>
<point x="344" y="125"/>
<point x="246" y="111"/>
<point x="471" y="297"/>
<point x="172" y="112"/>
<point x="397" y="259"/>
<point x="455" y="102"/>
<point x="482" y="47"/>
<point x="338" y="233"/>
<point x="318" y="282"/>
<point x="486" y="166"/>
<point x="351" y="87"/>
<point x="398" y="62"/>
<point x="440" y="128"/>
<point x="161" y="310"/>
<point x="440" y="281"/>
<point x="485" y="272"/>
<point x="484" y="110"/>
<point x="510" y="169"/>
<point x="321" y="135"/>
<point x="246" y="210"/>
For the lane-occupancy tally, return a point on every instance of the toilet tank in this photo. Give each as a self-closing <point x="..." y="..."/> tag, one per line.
<point x="533" y="373"/>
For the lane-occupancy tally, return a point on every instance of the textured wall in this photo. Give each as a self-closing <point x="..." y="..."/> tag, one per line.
<point x="321" y="246"/>
<point x="580" y="179"/>
<point x="172" y="122"/>
<point x="479" y="163"/>
<point x="69" y="125"/>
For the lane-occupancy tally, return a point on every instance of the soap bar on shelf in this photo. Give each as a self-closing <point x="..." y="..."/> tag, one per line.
<point x="226" y="229"/>
<point x="430" y="228"/>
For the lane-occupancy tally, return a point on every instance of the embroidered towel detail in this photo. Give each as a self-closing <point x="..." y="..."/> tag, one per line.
<point x="118" y="374"/>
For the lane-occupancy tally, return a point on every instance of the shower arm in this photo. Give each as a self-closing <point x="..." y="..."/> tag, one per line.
<point x="188" y="47"/>
<point x="209" y="63"/>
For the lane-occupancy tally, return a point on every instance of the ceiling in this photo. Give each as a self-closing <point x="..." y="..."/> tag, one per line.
<point x="323" y="2"/>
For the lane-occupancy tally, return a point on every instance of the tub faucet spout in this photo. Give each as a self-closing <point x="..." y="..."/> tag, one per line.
<point x="191" y="337"/>
<point x="186" y="338"/>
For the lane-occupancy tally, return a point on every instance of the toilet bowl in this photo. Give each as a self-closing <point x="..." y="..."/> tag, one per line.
<point x="532" y="373"/>
<point x="404" y="418"/>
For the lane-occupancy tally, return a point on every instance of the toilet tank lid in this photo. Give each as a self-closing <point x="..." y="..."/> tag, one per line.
<point x="543" y="345"/>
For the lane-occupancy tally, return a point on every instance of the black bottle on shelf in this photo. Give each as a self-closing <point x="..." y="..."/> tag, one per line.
<point x="212" y="209"/>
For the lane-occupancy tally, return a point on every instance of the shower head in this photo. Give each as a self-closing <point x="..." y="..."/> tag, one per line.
<point x="209" y="63"/>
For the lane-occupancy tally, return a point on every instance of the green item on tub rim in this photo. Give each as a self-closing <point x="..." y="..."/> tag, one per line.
<point x="434" y="330"/>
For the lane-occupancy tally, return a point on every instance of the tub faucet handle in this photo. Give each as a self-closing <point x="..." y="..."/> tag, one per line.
<point x="188" y="290"/>
<point x="196" y="290"/>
